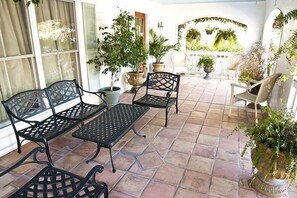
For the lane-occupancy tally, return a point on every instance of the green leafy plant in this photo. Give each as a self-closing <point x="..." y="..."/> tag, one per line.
<point x="222" y="36"/>
<point x="289" y="47"/>
<point x="207" y="62"/>
<point x="277" y="133"/>
<point x="138" y="53"/>
<point x="209" y="29"/>
<point x="114" y="50"/>
<point x="157" y="46"/>
<point x="193" y="34"/>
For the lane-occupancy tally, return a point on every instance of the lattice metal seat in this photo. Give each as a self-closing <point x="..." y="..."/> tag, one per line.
<point x="54" y="182"/>
<point x="162" y="89"/>
<point x="64" y="91"/>
<point x="29" y="107"/>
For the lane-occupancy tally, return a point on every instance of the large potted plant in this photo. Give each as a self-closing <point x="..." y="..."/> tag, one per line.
<point x="138" y="56"/>
<point x="207" y="62"/>
<point x="112" y="53"/>
<point x="158" y="48"/>
<point x="273" y="144"/>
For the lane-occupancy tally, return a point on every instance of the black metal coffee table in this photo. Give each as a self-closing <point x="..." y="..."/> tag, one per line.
<point x="109" y="127"/>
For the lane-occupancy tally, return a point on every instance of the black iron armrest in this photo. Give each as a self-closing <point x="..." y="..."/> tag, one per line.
<point x="23" y="160"/>
<point x="90" y="177"/>
<point x="137" y="89"/>
<point x="100" y="94"/>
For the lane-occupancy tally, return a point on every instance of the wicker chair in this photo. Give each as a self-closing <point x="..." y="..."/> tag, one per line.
<point x="266" y="86"/>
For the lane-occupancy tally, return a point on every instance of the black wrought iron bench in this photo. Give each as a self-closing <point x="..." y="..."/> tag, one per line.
<point x="162" y="89"/>
<point x="54" y="182"/>
<point x="33" y="113"/>
<point x="63" y="91"/>
<point x="31" y="109"/>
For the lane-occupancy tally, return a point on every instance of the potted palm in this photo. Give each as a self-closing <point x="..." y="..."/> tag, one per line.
<point x="207" y="62"/>
<point x="273" y="144"/>
<point x="158" y="48"/>
<point x="112" y="53"/>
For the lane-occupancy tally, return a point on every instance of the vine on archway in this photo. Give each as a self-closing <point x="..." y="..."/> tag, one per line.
<point x="222" y="37"/>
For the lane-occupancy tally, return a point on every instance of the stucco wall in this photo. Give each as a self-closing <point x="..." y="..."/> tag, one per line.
<point x="282" y="90"/>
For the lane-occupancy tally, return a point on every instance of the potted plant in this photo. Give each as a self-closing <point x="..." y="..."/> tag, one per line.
<point x="209" y="29"/>
<point x="207" y="62"/>
<point x="193" y="34"/>
<point x="278" y="21"/>
<point x="158" y="48"/>
<point x="225" y="35"/>
<point x="273" y="144"/>
<point x="138" y="56"/>
<point x="112" y="53"/>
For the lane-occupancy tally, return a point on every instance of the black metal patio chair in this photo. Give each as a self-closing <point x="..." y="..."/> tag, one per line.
<point x="162" y="89"/>
<point x="55" y="182"/>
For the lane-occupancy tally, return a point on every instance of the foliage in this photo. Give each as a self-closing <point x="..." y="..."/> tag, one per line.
<point x="209" y="29"/>
<point x="193" y="35"/>
<point x="118" y="47"/>
<point x="157" y="46"/>
<point x="252" y="63"/>
<point x="222" y="20"/>
<point x="206" y="61"/>
<point x="138" y="53"/>
<point x="278" y="132"/>
<point x="289" y="47"/>
<point x="227" y="35"/>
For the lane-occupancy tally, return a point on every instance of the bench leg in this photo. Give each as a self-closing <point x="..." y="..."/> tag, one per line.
<point x="113" y="169"/>
<point x="97" y="152"/>
<point x="48" y="153"/>
<point x="133" y="128"/>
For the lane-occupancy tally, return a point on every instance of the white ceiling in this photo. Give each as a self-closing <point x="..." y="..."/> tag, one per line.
<point x="168" y="2"/>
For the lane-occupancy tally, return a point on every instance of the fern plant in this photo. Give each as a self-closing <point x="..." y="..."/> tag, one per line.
<point x="277" y="134"/>
<point x="289" y="47"/>
<point x="227" y="35"/>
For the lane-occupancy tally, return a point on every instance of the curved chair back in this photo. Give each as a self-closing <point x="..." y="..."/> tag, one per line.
<point x="267" y="85"/>
<point x="180" y="62"/>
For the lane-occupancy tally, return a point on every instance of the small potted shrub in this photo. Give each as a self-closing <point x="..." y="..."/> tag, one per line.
<point x="207" y="62"/>
<point x="273" y="144"/>
<point x="158" y="48"/>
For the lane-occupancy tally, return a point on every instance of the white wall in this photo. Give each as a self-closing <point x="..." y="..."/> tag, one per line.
<point x="283" y="89"/>
<point x="251" y="14"/>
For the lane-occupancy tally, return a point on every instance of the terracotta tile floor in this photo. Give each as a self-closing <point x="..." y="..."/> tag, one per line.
<point x="195" y="156"/>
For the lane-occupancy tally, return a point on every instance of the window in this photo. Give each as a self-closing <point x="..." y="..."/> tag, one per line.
<point x="17" y="61"/>
<point x="140" y="24"/>
<point x="89" y="18"/>
<point x="56" y="26"/>
<point x="58" y="41"/>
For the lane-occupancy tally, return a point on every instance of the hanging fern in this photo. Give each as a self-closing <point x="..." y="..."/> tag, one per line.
<point x="289" y="47"/>
<point x="193" y="34"/>
<point x="227" y="35"/>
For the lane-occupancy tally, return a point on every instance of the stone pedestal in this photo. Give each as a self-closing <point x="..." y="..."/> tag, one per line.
<point x="269" y="187"/>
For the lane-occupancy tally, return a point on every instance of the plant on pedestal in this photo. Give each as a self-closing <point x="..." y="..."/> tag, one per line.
<point x="273" y="144"/>
<point x="207" y="62"/>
